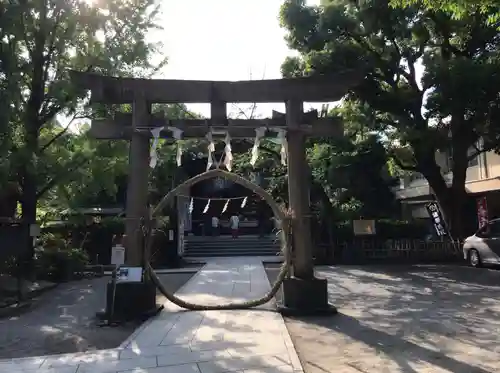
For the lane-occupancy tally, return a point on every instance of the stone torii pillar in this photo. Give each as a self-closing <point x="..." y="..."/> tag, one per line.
<point x="303" y="292"/>
<point x="138" y="181"/>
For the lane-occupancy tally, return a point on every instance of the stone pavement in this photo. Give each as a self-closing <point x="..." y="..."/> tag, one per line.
<point x="178" y="341"/>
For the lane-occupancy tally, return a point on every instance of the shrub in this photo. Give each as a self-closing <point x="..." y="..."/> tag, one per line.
<point x="56" y="260"/>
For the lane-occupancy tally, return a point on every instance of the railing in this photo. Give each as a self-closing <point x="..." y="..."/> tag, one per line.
<point x="359" y="251"/>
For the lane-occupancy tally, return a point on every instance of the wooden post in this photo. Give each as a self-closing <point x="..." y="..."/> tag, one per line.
<point x="298" y="192"/>
<point x="137" y="190"/>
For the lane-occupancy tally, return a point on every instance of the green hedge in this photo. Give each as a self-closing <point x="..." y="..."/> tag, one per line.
<point x="96" y="239"/>
<point x="59" y="264"/>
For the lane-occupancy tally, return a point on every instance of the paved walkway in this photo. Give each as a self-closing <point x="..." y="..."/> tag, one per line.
<point x="177" y="341"/>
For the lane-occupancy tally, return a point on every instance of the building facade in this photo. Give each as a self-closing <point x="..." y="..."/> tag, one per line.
<point x="483" y="181"/>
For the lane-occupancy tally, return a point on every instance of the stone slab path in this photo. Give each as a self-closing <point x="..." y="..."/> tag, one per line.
<point x="178" y="341"/>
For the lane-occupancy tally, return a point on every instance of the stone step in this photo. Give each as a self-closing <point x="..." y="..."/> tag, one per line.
<point x="250" y="238"/>
<point x="220" y="246"/>
<point x="232" y="248"/>
<point x="229" y="254"/>
<point x="230" y="244"/>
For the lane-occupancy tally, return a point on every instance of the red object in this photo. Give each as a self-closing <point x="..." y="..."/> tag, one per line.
<point x="482" y="212"/>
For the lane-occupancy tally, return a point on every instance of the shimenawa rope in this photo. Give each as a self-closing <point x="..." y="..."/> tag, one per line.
<point x="284" y="235"/>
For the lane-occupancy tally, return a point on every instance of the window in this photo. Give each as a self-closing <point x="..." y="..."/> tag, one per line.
<point x="472" y="163"/>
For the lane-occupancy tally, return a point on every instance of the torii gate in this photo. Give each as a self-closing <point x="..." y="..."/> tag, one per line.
<point x="303" y="290"/>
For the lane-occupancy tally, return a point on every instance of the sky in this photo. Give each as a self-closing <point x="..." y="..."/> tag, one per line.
<point x="224" y="40"/>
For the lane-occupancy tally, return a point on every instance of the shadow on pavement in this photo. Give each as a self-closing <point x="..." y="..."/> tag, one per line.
<point x="427" y="318"/>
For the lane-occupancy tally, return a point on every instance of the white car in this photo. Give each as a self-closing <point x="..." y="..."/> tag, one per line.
<point x="483" y="247"/>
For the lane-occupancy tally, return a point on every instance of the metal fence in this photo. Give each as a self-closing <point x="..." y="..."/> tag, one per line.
<point x="366" y="251"/>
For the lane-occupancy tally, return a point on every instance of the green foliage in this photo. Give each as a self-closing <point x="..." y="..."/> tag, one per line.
<point x="416" y="116"/>
<point x="354" y="174"/>
<point x="59" y="264"/>
<point x="457" y="8"/>
<point x="57" y="260"/>
<point x="40" y="43"/>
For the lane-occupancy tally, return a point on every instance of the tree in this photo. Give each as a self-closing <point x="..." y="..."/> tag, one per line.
<point x="44" y="40"/>
<point x="353" y="170"/>
<point x="457" y="8"/>
<point x="455" y="104"/>
<point x="101" y="181"/>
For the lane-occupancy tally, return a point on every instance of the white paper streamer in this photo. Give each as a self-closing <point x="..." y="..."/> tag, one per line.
<point x="153" y="155"/>
<point x="259" y="133"/>
<point x="244" y="202"/>
<point x="281" y="140"/>
<point x="211" y="149"/>
<point x="206" y="207"/>
<point x="225" y="206"/>
<point x="191" y="206"/>
<point x="177" y="134"/>
<point x="228" y="159"/>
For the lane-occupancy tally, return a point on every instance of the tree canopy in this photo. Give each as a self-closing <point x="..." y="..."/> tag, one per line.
<point x="431" y="81"/>
<point x="457" y="8"/>
<point x="49" y="163"/>
<point x="40" y="43"/>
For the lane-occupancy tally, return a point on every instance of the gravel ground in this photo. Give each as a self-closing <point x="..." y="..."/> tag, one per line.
<point x="404" y="319"/>
<point x="63" y="320"/>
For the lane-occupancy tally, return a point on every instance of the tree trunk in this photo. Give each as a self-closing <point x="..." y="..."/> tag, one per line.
<point x="9" y="197"/>
<point x="437" y="184"/>
<point x="451" y="199"/>
<point x="28" y="184"/>
<point x="458" y="192"/>
<point x="28" y="204"/>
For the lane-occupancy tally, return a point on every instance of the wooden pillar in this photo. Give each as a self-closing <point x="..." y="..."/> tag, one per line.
<point x="138" y="179"/>
<point x="298" y="192"/>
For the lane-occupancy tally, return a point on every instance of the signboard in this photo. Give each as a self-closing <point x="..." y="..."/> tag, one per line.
<point x="34" y="230"/>
<point x="437" y="218"/>
<point x="482" y="212"/>
<point x="129" y="274"/>
<point x="363" y="227"/>
<point x="118" y="255"/>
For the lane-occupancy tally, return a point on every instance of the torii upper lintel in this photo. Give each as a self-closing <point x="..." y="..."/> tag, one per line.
<point x="116" y="90"/>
